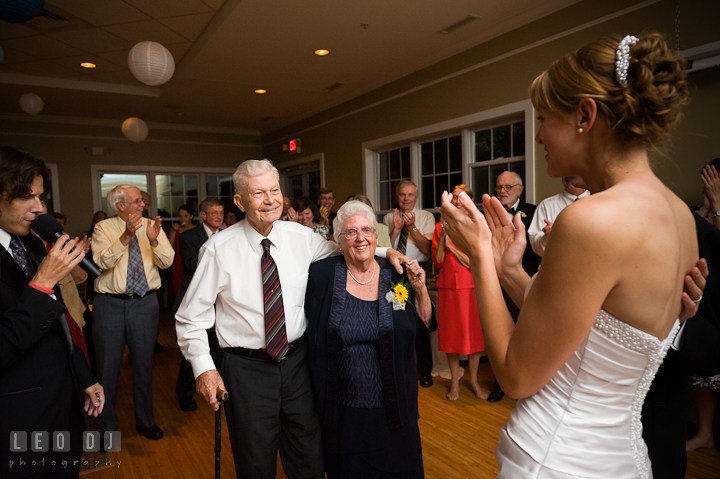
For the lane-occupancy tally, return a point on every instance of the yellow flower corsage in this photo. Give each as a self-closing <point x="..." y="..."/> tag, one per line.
<point x="522" y="214"/>
<point x="398" y="295"/>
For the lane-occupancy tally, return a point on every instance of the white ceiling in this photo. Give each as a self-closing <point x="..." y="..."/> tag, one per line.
<point x="225" y="49"/>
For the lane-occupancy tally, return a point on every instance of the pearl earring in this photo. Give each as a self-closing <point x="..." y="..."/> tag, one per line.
<point x="580" y="130"/>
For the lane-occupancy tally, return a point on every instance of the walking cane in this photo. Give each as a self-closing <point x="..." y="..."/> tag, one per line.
<point x="221" y="396"/>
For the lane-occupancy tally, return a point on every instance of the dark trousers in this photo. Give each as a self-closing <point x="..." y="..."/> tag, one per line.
<point x="184" y="386"/>
<point x="271" y="408"/>
<point x="119" y="322"/>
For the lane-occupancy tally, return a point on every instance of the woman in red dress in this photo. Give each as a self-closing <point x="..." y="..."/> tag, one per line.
<point x="458" y="322"/>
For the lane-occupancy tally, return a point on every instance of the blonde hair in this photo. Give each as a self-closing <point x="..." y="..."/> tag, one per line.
<point x="640" y="112"/>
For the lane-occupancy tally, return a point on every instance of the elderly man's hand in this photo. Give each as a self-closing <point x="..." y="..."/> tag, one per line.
<point x="207" y="384"/>
<point x="94" y="400"/>
<point x="397" y="259"/>
<point x="398" y="221"/>
<point x="153" y="230"/>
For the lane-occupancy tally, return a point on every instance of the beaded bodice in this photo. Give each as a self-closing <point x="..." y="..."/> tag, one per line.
<point x="586" y="421"/>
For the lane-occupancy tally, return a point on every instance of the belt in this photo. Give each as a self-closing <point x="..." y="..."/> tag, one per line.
<point x="262" y="353"/>
<point x="127" y="296"/>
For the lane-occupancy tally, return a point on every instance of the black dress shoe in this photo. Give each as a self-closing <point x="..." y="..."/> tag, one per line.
<point x="187" y="403"/>
<point x="496" y="395"/>
<point x="426" y="380"/>
<point x="153" y="432"/>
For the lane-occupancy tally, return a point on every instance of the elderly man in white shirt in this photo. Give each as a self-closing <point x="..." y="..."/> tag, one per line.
<point x="250" y="283"/>
<point x="549" y="209"/>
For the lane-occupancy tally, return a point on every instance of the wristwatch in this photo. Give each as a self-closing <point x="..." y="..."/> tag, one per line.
<point x="717" y="213"/>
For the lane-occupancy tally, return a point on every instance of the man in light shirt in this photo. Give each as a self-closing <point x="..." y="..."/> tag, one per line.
<point x="547" y="212"/>
<point x="245" y="276"/>
<point x="130" y="250"/>
<point x="411" y="232"/>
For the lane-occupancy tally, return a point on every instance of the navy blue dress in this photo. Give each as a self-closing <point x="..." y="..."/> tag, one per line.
<point x="359" y="443"/>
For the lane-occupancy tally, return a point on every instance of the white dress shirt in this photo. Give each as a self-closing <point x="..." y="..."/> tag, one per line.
<point x="424" y="222"/>
<point x="227" y="290"/>
<point x="548" y="209"/>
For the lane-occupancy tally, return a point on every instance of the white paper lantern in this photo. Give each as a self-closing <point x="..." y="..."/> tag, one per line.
<point x="31" y="103"/>
<point x="151" y="63"/>
<point x="135" y="129"/>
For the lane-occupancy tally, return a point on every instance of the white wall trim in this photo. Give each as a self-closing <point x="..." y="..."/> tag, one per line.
<point x="496" y="59"/>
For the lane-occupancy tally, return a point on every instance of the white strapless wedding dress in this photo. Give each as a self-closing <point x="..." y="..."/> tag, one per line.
<point x="585" y="423"/>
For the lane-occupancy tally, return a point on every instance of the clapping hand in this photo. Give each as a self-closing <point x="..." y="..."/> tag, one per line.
<point x="153" y="230"/>
<point x="398" y="221"/>
<point x="133" y="223"/>
<point x="711" y="181"/>
<point x="292" y="215"/>
<point x="547" y="228"/>
<point x="465" y="225"/>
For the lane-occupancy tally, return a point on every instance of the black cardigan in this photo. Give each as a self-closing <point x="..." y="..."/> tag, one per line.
<point x="325" y="297"/>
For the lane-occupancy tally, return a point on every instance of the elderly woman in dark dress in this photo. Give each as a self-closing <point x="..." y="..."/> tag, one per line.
<point x="362" y="319"/>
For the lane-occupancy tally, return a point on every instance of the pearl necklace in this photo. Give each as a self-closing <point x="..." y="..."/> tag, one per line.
<point x="366" y="282"/>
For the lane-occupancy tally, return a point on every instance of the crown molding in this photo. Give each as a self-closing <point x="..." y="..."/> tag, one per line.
<point x="73" y="120"/>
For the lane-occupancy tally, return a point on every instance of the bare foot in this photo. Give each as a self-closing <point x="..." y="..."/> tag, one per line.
<point x="454" y="392"/>
<point x="698" y="442"/>
<point x="478" y="391"/>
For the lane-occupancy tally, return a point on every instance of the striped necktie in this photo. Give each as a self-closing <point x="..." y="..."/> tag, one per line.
<point x="402" y="244"/>
<point x="275" y="336"/>
<point x="136" y="280"/>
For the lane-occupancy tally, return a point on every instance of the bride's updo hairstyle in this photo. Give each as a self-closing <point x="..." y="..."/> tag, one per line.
<point x="640" y="109"/>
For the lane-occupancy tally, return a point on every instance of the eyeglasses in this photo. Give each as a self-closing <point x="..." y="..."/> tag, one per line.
<point x="137" y="201"/>
<point x="351" y="234"/>
<point x="505" y="187"/>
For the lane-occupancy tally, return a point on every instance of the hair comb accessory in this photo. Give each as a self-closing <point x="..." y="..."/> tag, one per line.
<point x="622" y="55"/>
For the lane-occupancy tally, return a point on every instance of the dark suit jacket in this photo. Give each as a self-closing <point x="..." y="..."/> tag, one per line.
<point x="39" y="375"/>
<point x="324" y="304"/>
<point x="190" y="243"/>
<point x="665" y="411"/>
<point x="530" y="261"/>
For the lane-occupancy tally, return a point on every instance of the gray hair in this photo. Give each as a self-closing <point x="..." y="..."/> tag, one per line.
<point x="517" y="177"/>
<point x="403" y="184"/>
<point x="250" y="168"/>
<point x="349" y="209"/>
<point x="209" y="202"/>
<point x="116" y="195"/>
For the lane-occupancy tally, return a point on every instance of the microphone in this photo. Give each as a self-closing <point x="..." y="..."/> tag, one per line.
<point x="48" y="228"/>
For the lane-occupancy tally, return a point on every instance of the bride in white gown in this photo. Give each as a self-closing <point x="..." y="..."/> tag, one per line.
<point x="602" y="311"/>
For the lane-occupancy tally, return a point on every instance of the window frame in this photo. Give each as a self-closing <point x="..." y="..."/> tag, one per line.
<point x="151" y="171"/>
<point x="465" y="127"/>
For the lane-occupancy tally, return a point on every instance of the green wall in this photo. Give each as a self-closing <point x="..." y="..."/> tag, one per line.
<point x="65" y="144"/>
<point x="340" y="131"/>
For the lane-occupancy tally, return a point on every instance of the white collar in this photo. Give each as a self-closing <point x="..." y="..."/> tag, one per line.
<point x="208" y="231"/>
<point x="256" y="238"/>
<point x="5" y="239"/>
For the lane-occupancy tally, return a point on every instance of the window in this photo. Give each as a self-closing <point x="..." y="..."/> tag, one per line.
<point x="174" y="191"/>
<point x="108" y="181"/>
<point x="473" y="149"/>
<point x="497" y="149"/>
<point x="301" y="179"/>
<point x="394" y="167"/>
<point x="441" y="162"/>
<point x="169" y="188"/>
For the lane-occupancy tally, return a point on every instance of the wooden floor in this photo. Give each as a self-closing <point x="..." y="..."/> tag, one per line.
<point x="458" y="437"/>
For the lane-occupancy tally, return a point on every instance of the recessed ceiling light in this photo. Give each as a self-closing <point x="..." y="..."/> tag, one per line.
<point x="88" y="65"/>
<point x="321" y="53"/>
<point x="260" y="91"/>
